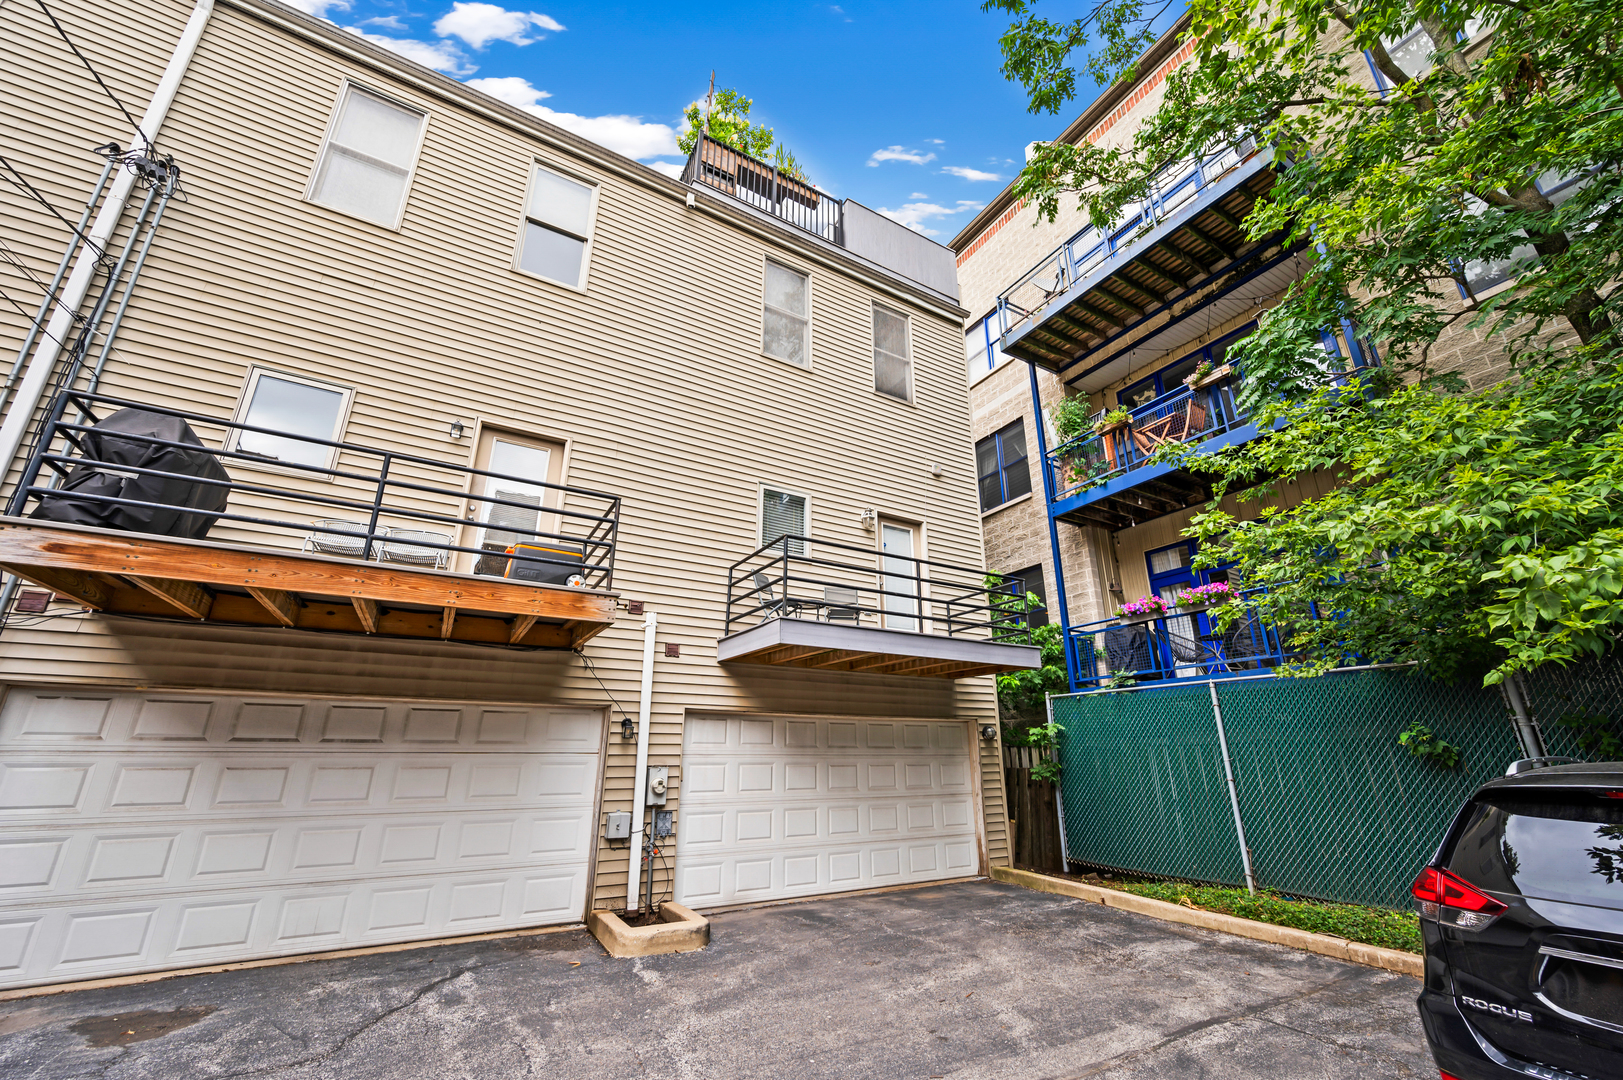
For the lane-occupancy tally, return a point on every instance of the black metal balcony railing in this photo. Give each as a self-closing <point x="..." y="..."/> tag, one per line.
<point x="1186" y="415"/>
<point x="368" y="504"/>
<point x="796" y="577"/>
<point x="1178" y="645"/>
<point x="766" y="187"/>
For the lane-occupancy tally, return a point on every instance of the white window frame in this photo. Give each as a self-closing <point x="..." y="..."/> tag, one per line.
<point x="784" y="264"/>
<point x="524" y="220"/>
<point x="761" y="488"/>
<point x="240" y="415"/>
<point x="873" y="347"/>
<point x="345" y="86"/>
<point x="995" y="356"/>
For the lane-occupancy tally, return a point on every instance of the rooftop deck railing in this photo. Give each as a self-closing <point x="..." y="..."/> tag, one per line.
<point x="796" y="577"/>
<point x="1182" y="644"/>
<point x="765" y="187"/>
<point x="367" y="504"/>
<point x="1092" y="248"/>
<point x="1186" y="415"/>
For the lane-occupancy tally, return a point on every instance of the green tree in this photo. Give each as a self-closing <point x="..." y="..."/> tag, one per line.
<point x="730" y="124"/>
<point x="1473" y="530"/>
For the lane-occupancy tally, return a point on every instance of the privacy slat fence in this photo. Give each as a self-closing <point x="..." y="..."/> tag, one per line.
<point x="1033" y="811"/>
<point x="1332" y="806"/>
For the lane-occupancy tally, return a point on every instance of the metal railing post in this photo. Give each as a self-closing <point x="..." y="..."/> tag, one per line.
<point x="1234" y="796"/>
<point x="1053" y="530"/>
<point x="377" y="507"/>
<point x="19" y="497"/>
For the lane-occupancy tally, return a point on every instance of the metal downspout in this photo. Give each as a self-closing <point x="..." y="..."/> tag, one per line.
<point x="1053" y="529"/>
<point x="639" y="792"/>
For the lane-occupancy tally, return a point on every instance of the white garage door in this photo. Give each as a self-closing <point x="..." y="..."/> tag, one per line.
<point x="149" y="831"/>
<point x="775" y="807"/>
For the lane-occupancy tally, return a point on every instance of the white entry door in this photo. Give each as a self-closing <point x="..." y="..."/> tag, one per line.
<point x="775" y="807"/>
<point x="502" y="525"/>
<point x="142" y="831"/>
<point x="899" y="576"/>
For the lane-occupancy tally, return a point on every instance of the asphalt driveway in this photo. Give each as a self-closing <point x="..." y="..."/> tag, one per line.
<point x="965" y="980"/>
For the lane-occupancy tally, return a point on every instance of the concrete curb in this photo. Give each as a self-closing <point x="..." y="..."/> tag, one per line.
<point x="1403" y="963"/>
<point x="680" y="929"/>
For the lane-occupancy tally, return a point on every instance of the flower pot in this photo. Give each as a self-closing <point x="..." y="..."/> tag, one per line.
<point x="1134" y="620"/>
<point x="1216" y="375"/>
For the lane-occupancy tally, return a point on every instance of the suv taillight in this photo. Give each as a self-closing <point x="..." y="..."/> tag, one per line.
<point x="1454" y="901"/>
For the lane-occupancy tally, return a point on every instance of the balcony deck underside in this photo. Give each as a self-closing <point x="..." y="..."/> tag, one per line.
<point x="1180" y="264"/>
<point x="832" y="647"/>
<point x="1145" y="493"/>
<point x="124" y="573"/>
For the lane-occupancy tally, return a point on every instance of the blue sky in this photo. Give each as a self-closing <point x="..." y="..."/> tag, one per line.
<point x="898" y="104"/>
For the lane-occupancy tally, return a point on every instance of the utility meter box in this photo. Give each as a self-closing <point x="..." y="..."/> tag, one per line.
<point x="659" y="777"/>
<point x="618" y="826"/>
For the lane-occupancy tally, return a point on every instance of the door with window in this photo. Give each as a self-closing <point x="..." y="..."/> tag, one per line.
<point x="527" y="466"/>
<point x="1180" y="647"/>
<point x="899" y="575"/>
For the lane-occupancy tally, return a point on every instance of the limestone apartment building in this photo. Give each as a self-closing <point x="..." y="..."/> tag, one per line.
<point x="509" y="495"/>
<point x="1124" y="317"/>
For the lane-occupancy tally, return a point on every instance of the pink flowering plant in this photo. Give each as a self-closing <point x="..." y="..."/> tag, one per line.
<point x="1205" y="595"/>
<point x="1144" y="605"/>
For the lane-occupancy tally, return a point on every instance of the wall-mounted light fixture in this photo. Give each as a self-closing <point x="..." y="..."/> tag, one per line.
<point x="936" y="470"/>
<point x="869" y="519"/>
<point x="457" y="429"/>
<point x="628" y="728"/>
<point x="988" y="732"/>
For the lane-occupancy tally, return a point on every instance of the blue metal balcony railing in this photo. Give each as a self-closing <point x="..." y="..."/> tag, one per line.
<point x="1178" y="645"/>
<point x="1183" y="416"/>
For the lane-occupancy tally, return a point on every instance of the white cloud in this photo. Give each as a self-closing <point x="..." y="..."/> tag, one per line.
<point x="626" y="135"/>
<point x="970" y="174"/>
<point x="938" y="142"/>
<point x="479" y="24"/>
<point x="439" y="55"/>
<point x="898" y="153"/>
<point x="672" y="169"/>
<point x="319" y="8"/>
<point x="914" y="214"/>
<point x="388" y="22"/>
<point x="918" y="195"/>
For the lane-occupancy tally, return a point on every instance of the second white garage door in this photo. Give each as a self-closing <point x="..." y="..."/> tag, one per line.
<point x="775" y="807"/>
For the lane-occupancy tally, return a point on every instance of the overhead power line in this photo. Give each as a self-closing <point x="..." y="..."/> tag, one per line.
<point x="93" y="72"/>
<point x="20" y="182"/>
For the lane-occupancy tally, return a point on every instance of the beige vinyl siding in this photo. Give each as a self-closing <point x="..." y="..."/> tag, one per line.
<point x="653" y="375"/>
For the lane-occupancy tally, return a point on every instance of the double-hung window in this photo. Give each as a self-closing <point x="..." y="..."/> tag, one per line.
<point x="787" y="317"/>
<point x="296" y="406"/>
<point x="783" y="513"/>
<point x="557" y="228"/>
<point x="366" y="164"/>
<point x="981" y="350"/>
<point x="1000" y="460"/>
<point x="892" y="368"/>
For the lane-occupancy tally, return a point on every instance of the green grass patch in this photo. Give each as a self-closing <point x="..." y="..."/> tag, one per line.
<point x="1373" y="926"/>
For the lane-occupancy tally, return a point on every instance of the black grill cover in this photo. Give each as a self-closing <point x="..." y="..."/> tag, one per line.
<point x="189" y="509"/>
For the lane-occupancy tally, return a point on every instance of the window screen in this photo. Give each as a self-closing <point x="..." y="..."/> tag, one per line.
<point x="557" y="228"/>
<point x="787" y="321"/>
<point x="297" y="408"/>
<point x="368" y="158"/>
<point x="891" y="369"/>
<point x="783" y="514"/>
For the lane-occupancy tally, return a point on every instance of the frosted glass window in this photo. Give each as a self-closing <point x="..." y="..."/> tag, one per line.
<point x="368" y="158"/>
<point x="297" y="408"/>
<point x="892" y="370"/>
<point x="787" y="316"/>
<point x="557" y="228"/>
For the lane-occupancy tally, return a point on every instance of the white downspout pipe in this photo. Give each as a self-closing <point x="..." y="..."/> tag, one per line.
<point x="639" y="794"/>
<point x="38" y="373"/>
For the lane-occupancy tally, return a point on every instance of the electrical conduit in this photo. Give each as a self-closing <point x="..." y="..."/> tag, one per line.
<point x="639" y="794"/>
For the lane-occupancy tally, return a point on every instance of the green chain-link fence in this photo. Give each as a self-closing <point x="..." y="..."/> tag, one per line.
<point x="1579" y="708"/>
<point x="1333" y="807"/>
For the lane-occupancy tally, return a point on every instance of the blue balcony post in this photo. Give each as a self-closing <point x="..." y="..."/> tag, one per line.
<point x="1071" y="665"/>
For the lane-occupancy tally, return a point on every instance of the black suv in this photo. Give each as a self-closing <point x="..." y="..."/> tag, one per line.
<point x="1522" y="915"/>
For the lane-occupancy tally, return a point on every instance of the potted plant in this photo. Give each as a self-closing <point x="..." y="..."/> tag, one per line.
<point x="1205" y="374"/>
<point x="1114" y="420"/>
<point x="1144" y="609"/>
<point x="1201" y="597"/>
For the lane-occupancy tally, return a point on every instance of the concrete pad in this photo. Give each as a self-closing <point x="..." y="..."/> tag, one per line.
<point x="679" y="929"/>
<point x="973" y="981"/>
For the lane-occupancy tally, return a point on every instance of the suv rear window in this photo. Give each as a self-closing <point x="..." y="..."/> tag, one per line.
<point x="1553" y="845"/>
